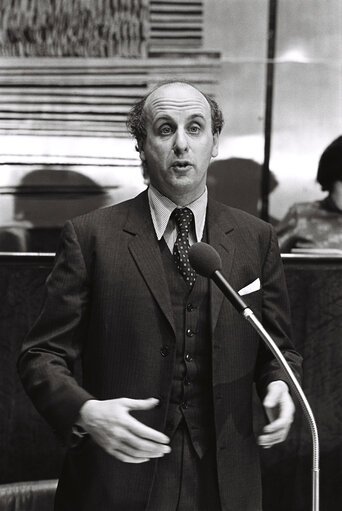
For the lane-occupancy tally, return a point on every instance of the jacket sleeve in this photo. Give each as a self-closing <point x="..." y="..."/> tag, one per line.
<point x="276" y="318"/>
<point x="47" y="361"/>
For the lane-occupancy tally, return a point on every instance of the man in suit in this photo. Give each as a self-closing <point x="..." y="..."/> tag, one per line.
<point x="163" y="417"/>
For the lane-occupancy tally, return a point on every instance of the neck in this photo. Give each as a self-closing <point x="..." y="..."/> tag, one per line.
<point x="336" y="194"/>
<point x="183" y="199"/>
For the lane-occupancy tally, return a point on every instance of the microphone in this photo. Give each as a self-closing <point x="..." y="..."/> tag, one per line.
<point x="206" y="262"/>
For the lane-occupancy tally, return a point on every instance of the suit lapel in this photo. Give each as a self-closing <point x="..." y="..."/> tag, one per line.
<point x="220" y="237"/>
<point x="144" y="248"/>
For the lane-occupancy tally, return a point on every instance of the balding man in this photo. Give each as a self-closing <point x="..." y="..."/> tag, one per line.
<point x="163" y="419"/>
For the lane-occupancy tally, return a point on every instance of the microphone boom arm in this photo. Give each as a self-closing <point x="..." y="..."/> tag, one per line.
<point x="249" y="315"/>
<point x="206" y="261"/>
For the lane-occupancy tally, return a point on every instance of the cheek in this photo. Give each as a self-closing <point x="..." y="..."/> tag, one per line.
<point x="206" y="152"/>
<point x="157" y="151"/>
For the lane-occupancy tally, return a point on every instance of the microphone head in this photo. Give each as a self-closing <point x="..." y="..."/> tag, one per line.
<point x="204" y="259"/>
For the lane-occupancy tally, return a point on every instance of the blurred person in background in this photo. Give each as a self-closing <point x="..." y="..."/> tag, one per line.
<point x="317" y="224"/>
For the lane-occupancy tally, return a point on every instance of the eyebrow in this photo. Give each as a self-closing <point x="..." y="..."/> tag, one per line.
<point x="168" y="117"/>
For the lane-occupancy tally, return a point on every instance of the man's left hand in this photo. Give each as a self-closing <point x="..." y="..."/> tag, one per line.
<point x="280" y="411"/>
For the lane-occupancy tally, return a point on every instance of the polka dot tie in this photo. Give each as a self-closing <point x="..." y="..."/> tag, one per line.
<point x="183" y="218"/>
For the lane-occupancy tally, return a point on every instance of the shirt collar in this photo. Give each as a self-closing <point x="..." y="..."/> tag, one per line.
<point x="161" y="208"/>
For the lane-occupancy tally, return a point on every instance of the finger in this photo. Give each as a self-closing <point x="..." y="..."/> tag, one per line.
<point x="144" y="445"/>
<point x="273" y="434"/>
<point x="138" y="453"/>
<point x="140" y="404"/>
<point x="129" y="443"/>
<point x="284" y="409"/>
<point x="275" y="391"/>
<point x="271" y="414"/>
<point x="277" y="425"/>
<point x="270" y="440"/>
<point x="272" y="409"/>
<point x="141" y="430"/>
<point x="272" y="399"/>
<point x="126" y="458"/>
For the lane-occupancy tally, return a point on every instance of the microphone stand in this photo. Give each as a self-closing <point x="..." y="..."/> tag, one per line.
<point x="249" y="315"/>
<point x="206" y="261"/>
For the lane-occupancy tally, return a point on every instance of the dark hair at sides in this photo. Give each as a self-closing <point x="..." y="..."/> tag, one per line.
<point x="330" y="165"/>
<point x="136" y="121"/>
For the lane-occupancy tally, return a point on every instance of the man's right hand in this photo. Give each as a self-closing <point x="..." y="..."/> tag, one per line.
<point x="112" y="427"/>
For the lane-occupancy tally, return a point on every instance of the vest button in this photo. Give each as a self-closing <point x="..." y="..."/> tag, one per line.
<point x="164" y="351"/>
<point x="188" y="357"/>
<point x="190" y="307"/>
<point x="189" y="332"/>
<point x="186" y="381"/>
<point x="185" y="405"/>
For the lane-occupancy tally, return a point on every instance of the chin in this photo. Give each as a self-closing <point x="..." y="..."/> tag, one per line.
<point x="184" y="179"/>
<point x="182" y="185"/>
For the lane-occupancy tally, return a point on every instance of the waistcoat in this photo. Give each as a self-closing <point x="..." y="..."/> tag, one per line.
<point x="191" y="392"/>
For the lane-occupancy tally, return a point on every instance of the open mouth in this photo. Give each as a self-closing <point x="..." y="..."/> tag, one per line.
<point x="181" y="164"/>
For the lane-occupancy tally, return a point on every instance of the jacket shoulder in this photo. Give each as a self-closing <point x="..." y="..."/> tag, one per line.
<point x="115" y="216"/>
<point x="241" y="219"/>
<point x="252" y="236"/>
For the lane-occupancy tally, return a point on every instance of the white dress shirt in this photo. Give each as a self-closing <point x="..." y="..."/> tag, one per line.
<point x="161" y="209"/>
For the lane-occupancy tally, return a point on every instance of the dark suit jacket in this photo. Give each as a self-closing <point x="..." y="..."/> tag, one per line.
<point x="107" y="302"/>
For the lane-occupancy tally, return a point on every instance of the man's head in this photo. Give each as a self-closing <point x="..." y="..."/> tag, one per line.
<point x="177" y="128"/>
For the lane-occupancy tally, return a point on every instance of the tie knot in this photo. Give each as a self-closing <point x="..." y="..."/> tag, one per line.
<point x="183" y="218"/>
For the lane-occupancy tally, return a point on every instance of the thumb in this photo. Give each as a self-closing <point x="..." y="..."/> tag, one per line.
<point x="275" y="391"/>
<point x="271" y="398"/>
<point x="272" y="401"/>
<point x="141" y="404"/>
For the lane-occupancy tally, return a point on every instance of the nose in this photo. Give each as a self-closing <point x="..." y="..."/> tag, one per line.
<point x="180" y="145"/>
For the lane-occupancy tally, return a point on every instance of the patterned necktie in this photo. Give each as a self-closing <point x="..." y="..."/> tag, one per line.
<point x="183" y="218"/>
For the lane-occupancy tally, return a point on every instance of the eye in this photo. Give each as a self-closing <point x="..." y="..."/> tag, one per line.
<point x="194" y="129"/>
<point x="165" y="129"/>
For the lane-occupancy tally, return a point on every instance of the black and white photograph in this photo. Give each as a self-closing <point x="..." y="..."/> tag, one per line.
<point x="171" y="255"/>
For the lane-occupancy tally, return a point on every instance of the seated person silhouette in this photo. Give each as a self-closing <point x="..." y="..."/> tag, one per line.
<point x="43" y="201"/>
<point x="317" y="224"/>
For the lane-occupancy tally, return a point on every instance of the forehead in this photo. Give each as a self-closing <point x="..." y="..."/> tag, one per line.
<point x="176" y="98"/>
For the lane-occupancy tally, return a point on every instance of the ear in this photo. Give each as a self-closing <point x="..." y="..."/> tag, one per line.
<point x="141" y="152"/>
<point x="214" y="152"/>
